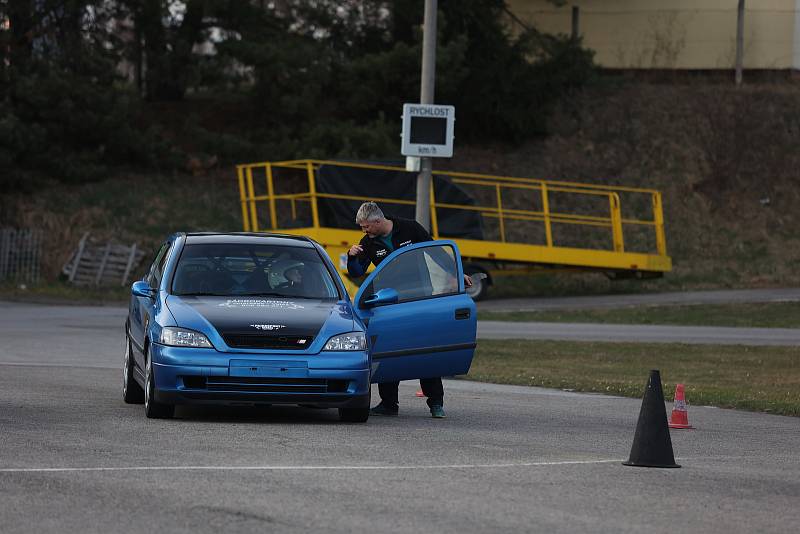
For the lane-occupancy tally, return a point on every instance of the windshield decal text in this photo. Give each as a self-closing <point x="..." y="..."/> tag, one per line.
<point x="261" y="303"/>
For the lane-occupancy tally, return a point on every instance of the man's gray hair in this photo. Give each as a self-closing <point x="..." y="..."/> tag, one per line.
<point x="369" y="211"/>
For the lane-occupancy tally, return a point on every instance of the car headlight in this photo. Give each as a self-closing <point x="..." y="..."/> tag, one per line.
<point x="182" y="337"/>
<point x="349" y="341"/>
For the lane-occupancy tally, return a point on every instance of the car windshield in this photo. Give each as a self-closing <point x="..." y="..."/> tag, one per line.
<point x="252" y="270"/>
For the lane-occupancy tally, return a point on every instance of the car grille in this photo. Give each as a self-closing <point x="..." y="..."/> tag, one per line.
<point x="258" y="341"/>
<point x="265" y="384"/>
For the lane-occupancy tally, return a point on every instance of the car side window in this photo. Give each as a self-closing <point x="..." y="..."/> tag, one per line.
<point x="421" y="273"/>
<point x="157" y="268"/>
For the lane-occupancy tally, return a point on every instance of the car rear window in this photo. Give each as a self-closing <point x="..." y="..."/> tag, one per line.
<point x="252" y="270"/>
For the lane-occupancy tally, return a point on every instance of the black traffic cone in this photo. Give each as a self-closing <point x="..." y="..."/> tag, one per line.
<point x="652" y="446"/>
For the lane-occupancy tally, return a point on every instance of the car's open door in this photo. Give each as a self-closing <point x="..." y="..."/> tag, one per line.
<point x="420" y="322"/>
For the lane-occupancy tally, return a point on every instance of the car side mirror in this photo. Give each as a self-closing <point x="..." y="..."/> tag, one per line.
<point x="383" y="296"/>
<point x="142" y="289"/>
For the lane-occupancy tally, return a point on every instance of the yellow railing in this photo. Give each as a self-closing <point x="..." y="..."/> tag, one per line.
<point x="502" y="187"/>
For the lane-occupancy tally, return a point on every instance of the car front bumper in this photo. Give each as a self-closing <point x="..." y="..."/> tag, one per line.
<point x="206" y="376"/>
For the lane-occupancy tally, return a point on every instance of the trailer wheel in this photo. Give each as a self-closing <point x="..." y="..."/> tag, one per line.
<point x="480" y="284"/>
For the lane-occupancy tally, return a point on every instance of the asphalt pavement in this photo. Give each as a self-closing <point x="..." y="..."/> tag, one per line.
<point x="74" y="457"/>
<point x="641" y="333"/>
<point x="714" y="335"/>
<point x="685" y="298"/>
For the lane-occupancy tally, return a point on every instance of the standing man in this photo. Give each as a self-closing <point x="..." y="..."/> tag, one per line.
<point x="383" y="236"/>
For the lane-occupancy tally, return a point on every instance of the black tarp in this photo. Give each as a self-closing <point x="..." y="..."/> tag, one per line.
<point x="377" y="184"/>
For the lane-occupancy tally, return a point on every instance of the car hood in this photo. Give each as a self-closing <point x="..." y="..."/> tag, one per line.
<point x="220" y="317"/>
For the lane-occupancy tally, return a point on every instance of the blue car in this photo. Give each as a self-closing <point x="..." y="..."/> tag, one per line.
<point x="248" y="319"/>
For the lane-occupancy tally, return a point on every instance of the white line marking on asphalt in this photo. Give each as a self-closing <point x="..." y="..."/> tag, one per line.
<point x="330" y="467"/>
<point x="298" y="467"/>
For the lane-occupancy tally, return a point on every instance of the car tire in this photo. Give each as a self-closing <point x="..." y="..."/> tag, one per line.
<point x="152" y="408"/>
<point x="479" y="286"/>
<point x="132" y="392"/>
<point x="354" y="415"/>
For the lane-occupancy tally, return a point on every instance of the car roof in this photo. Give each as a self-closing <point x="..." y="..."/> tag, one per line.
<point x="228" y="238"/>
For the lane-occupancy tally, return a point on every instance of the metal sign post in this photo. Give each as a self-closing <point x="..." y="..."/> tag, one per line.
<point x="423" y="212"/>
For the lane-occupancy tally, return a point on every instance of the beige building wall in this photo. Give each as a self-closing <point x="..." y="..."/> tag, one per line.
<point x="675" y="34"/>
<point x="797" y="35"/>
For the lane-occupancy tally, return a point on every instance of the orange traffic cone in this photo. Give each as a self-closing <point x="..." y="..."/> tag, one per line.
<point x="420" y="393"/>
<point x="679" y="417"/>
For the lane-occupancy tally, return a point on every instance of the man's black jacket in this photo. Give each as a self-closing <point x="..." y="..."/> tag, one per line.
<point x="404" y="232"/>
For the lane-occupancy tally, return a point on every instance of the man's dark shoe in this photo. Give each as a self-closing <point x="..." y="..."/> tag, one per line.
<point x="437" y="412"/>
<point x="382" y="409"/>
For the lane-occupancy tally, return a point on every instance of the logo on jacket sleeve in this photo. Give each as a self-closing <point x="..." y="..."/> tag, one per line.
<point x="380" y="253"/>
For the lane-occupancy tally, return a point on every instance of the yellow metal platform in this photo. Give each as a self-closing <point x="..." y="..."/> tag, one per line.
<point x="531" y="223"/>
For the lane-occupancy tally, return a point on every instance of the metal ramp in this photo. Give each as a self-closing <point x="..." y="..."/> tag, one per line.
<point x="527" y="224"/>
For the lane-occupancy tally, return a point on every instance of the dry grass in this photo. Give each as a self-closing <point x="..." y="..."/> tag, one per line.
<point x="724" y="158"/>
<point x="127" y="209"/>
<point x="763" y="379"/>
